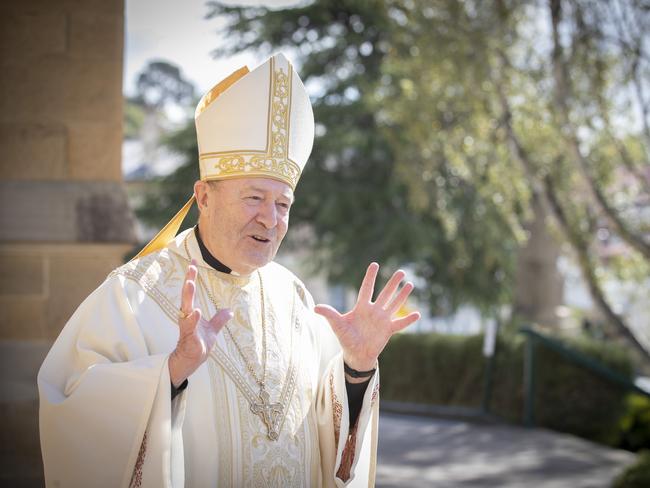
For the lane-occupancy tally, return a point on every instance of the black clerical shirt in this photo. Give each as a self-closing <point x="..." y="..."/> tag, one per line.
<point x="355" y="391"/>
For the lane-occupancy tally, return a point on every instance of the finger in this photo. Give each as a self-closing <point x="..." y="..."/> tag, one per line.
<point x="387" y="293"/>
<point x="188" y="324"/>
<point x="187" y="296"/>
<point x="331" y="314"/>
<point x="220" y="319"/>
<point x="189" y="288"/>
<point x="368" y="284"/>
<point x="400" y="299"/>
<point x="404" y="322"/>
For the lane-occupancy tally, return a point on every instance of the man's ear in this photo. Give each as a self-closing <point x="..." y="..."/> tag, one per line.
<point x="201" y="190"/>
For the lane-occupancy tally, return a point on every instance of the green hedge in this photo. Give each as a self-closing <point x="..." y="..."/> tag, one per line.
<point x="449" y="370"/>
<point x="636" y="475"/>
<point x="635" y="424"/>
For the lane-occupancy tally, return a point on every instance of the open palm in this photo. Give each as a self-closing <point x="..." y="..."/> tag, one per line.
<point x="364" y="331"/>
<point x="197" y="336"/>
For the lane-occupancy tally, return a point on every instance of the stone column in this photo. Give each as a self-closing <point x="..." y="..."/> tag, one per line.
<point x="64" y="218"/>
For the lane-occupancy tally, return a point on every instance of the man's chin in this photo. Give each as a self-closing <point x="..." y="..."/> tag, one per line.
<point x="253" y="263"/>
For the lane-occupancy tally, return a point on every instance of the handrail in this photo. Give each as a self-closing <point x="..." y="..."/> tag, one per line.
<point x="585" y="361"/>
<point x="573" y="356"/>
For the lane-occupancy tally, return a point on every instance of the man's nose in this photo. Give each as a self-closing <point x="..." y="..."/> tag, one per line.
<point x="268" y="215"/>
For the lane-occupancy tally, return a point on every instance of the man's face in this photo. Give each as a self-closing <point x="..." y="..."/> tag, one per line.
<point x="243" y="220"/>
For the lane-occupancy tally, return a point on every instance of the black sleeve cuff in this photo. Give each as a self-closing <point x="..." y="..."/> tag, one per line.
<point x="177" y="391"/>
<point x="355" y="392"/>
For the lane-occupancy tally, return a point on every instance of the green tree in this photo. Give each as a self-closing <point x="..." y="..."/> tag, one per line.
<point x="161" y="83"/>
<point x="168" y="193"/>
<point x="529" y="92"/>
<point x="571" y="88"/>
<point x="440" y="122"/>
<point x="471" y="109"/>
<point x="353" y="195"/>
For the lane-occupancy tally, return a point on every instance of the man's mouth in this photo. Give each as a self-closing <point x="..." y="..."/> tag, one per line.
<point x="260" y="238"/>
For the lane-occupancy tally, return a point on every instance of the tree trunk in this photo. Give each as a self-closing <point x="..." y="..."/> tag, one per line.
<point x="544" y="193"/>
<point x="538" y="283"/>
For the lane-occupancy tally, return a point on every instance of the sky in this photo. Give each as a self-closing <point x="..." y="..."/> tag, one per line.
<point x="177" y="31"/>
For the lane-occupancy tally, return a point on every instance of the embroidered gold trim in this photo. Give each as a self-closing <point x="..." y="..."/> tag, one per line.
<point x="375" y="394"/>
<point x="347" y="457"/>
<point x="220" y="357"/>
<point x="136" y="477"/>
<point x="247" y="165"/>
<point x="150" y="289"/>
<point x="279" y="123"/>
<point x="337" y="410"/>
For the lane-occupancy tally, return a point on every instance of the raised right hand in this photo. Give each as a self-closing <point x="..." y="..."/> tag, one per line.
<point x="197" y="336"/>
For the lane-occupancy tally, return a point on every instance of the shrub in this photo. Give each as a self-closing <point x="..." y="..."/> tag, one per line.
<point x="634" y="425"/>
<point x="573" y="399"/>
<point x="449" y="370"/>
<point x="433" y="368"/>
<point x="637" y="475"/>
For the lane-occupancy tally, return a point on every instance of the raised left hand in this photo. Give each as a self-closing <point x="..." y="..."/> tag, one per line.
<point x="364" y="331"/>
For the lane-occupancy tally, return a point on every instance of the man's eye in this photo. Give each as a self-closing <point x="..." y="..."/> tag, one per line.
<point x="254" y="197"/>
<point x="283" y="205"/>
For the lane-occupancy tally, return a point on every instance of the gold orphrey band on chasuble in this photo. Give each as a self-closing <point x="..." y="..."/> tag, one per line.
<point x="274" y="161"/>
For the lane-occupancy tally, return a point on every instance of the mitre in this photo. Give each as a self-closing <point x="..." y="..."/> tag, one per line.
<point x="251" y="124"/>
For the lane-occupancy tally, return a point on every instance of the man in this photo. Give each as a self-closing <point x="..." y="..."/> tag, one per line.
<point x="202" y="362"/>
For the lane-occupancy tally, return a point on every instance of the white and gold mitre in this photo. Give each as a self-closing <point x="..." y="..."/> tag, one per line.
<point x="257" y="123"/>
<point x="251" y="124"/>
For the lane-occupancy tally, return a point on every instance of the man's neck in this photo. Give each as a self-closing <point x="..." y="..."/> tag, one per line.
<point x="207" y="255"/>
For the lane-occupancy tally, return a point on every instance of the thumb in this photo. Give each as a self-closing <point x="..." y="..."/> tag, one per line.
<point x="330" y="313"/>
<point x="327" y="311"/>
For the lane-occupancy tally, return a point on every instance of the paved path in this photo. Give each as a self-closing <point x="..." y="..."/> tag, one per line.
<point x="426" y="452"/>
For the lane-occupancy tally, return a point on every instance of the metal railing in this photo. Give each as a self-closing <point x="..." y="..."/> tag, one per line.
<point x="533" y="338"/>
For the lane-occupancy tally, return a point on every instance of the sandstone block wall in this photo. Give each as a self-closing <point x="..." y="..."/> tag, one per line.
<point x="64" y="218"/>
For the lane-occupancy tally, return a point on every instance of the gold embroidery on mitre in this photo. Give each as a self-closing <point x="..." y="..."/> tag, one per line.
<point x="279" y="123"/>
<point x="252" y="164"/>
<point x="273" y="162"/>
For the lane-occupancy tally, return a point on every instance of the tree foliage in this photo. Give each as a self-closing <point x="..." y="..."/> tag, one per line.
<point x="161" y="83"/>
<point x="439" y="121"/>
<point x="357" y="193"/>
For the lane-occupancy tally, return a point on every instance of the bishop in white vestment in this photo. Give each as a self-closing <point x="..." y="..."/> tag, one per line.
<point x="143" y="388"/>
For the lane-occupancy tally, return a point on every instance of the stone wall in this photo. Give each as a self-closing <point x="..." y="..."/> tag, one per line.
<point x="64" y="218"/>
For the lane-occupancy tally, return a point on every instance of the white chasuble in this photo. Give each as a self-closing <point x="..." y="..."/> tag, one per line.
<point x="106" y="414"/>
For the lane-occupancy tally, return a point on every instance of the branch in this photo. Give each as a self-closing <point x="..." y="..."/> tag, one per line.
<point x="626" y="159"/>
<point x="544" y="191"/>
<point x="568" y="132"/>
<point x="640" y="95"/>
<point x="631" y="166"/>
<point x="580" y="248"/>
<point x="633" y="46"/>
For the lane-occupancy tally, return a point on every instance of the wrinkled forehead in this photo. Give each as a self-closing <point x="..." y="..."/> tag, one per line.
<point x="264" y="185"/>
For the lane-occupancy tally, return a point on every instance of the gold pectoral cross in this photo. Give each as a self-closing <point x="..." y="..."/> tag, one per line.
<point x="269" y="413"/>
